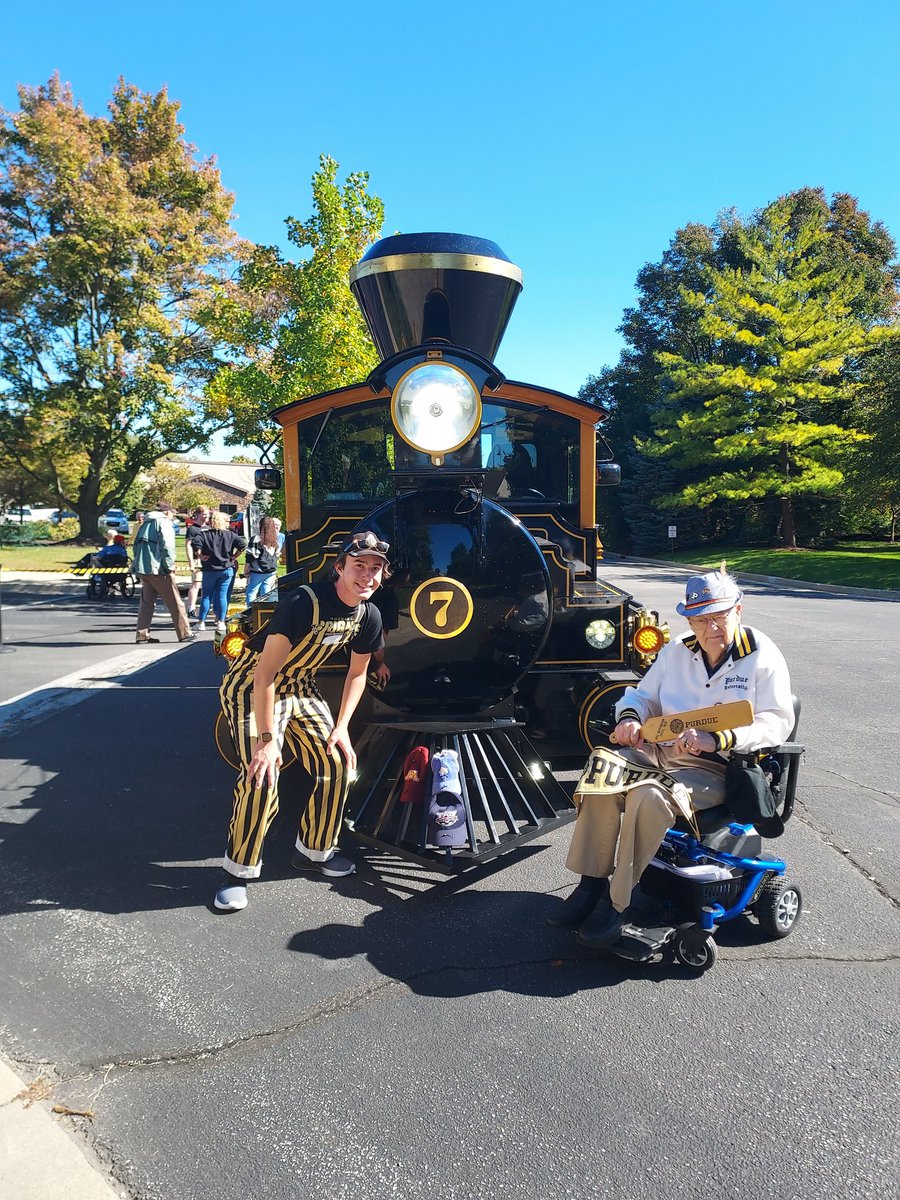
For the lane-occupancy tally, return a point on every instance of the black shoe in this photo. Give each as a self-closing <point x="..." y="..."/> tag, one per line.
<point x="190" y="637"/>
<point x="602" y="927"/>
<point x="579" y="905"/>
<point x="147" y="641"/>
<point x="335" y="867"/>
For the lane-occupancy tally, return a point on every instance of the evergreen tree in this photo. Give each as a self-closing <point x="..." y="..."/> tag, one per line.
<point x="751" y="421"/>
<point x="875" y="468"/>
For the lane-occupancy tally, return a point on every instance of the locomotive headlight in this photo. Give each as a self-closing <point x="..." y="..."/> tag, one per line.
<point x="600" y="633"/>
<point x="436" y="407"/>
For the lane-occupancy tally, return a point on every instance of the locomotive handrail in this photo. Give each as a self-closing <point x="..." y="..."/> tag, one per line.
<point x="431" y="725"/>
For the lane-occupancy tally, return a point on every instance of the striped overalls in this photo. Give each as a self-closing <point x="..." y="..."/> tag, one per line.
<point x="304" y="721"/>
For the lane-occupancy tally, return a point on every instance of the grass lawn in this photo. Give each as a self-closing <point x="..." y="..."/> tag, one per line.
<point x="853" y="564"/>
<point x="56" y="556"/>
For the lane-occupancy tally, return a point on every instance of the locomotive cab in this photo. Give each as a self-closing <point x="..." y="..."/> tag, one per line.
<point x="486" y="490"/>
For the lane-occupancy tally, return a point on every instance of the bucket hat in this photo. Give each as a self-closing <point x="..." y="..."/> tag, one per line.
<point x="710" y="593"/>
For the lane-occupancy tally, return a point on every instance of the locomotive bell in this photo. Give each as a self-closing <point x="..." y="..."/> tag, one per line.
<point x="419" y="288"/>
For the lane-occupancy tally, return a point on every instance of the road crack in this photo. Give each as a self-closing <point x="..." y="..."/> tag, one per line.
<point x="356" y="999"/>
<point x="828" y="838"/>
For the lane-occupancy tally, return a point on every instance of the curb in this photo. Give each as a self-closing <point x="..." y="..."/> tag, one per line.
<point x="798" y="585"/>
<point x="39" y="1154"/>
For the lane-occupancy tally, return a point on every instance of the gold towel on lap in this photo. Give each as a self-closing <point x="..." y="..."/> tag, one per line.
<point x="609" y="773"/>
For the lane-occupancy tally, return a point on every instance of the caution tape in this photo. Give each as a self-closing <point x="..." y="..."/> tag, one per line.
<point x="62" y="569"/>
<point x="99" y="571"/>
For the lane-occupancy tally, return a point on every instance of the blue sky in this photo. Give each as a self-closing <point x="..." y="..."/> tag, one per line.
<point x="578" y="135"/>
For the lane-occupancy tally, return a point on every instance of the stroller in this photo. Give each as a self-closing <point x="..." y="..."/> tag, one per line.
<point x="702" y="877"/>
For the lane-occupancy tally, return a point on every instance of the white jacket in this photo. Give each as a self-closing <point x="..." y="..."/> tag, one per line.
<point x="753" y="670"/>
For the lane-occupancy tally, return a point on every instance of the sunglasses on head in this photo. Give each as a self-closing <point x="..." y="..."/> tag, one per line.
<point x="366" y="541"/>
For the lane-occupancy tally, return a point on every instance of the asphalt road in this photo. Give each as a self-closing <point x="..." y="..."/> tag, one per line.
<point x="389" y="1035"/>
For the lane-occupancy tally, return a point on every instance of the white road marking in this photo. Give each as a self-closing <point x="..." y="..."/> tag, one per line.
<point x="36" y="705"/>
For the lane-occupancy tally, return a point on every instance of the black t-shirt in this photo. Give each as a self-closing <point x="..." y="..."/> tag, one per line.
<point x="293" y="619"/>
<point x="217" y="548"/>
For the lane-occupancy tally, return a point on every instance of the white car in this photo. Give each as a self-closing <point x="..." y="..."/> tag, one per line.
<point x="114" y="518"/>
<point x="25" y="513"/>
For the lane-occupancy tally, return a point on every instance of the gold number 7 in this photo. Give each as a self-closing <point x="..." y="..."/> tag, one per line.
<point x="445" y="599"/>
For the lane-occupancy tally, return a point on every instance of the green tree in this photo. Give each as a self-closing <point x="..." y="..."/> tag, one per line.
<point x="762" y="417"/>
<point x="172" y="481"/>
<point x="667" y="319"/>
<point x="114" y="241"/>
<point x="294" y="327"/>
<point x="875" y="470"/>
<point x="662" y="320"/>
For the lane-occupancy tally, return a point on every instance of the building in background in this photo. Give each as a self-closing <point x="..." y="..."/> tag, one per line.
<point x="232" y="482"/>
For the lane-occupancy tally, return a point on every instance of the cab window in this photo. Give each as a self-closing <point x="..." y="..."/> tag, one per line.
<point x="346" y="455"/>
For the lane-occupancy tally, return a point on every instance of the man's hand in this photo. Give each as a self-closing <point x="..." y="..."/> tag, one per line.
<point x="627" y="733"/>
<point x="340" y="740"/>
<point x="693" y="742"/>
<point x="265" y="764"/>
<point x="382" y="674"/>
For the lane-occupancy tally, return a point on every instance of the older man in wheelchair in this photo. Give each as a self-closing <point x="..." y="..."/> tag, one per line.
<point x="112" y="571"/>
<point x="622" y="827"/>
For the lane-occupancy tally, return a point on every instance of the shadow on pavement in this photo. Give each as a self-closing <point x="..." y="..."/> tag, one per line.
<point x="108" y="806"/>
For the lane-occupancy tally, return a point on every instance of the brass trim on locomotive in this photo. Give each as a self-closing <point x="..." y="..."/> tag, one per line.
<point x="437" y="262"/>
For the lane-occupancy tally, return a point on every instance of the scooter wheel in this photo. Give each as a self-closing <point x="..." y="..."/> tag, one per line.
<point x="778" y="907"/>
<point x="695" y="950"/>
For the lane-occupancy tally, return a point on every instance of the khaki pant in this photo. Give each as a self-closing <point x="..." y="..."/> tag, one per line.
<point x="616" y="835"/>
<point x="162" y="587"/>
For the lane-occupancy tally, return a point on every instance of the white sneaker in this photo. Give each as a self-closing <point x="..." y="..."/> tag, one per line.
<point x="232" y="895"/>
<point x="201" y="625"/>
<point x="220" y="627"/>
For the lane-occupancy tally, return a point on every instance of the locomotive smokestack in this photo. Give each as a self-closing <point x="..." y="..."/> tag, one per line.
<point x="416" y="288"/>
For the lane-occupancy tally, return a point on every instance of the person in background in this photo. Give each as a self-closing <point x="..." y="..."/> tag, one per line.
<point x="263" y="555"/>
<point x="114" y="555"/>
<point x="154" y="564"/>
<point x="200" y="522"/>
<point x="93" y="559"/>
<point x="217" y="548"/>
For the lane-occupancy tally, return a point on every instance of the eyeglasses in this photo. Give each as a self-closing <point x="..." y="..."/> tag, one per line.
<point x="366" y="541"/>
<point x="718" y="619"/>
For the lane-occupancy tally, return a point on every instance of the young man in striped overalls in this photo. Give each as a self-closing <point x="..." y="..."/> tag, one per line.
<point x="269" y="696"/>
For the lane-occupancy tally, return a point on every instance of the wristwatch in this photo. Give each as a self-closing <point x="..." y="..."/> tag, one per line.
<point x="265" y="737"/>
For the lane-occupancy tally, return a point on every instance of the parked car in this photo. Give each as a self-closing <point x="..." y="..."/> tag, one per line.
<point x="236" y="523"/>
<point x="114" y="518"/>
<point x="25" y="513"/>
<point x="62" y="514"/>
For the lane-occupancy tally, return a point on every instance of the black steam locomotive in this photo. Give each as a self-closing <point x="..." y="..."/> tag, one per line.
<point x="502" y="643"/>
